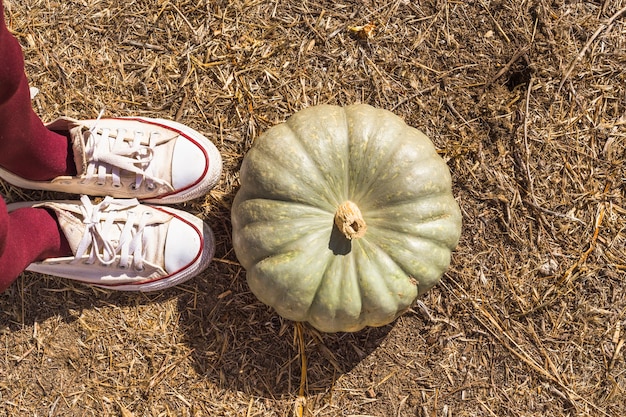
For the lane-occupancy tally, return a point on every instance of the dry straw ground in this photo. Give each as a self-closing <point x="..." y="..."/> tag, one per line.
<point x="526" y="100"/>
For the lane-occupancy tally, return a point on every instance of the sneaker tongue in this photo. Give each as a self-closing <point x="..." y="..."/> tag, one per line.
<point x="78" y="148"/>
<point x="75" y="130"/>
<point x="69" y="218"/>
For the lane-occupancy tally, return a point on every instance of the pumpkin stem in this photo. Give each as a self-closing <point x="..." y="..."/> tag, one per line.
<point x="349" y="220"/>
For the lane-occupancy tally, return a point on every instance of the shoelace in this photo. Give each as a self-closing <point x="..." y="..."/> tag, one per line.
<point x="102" y="230"/>
<point x="108" y="154"/>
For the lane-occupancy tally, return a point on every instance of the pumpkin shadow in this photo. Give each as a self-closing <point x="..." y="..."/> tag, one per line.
<point x="240" y="344"/>
<point x="254" y="351"/>
<point x="35" y="298"/>
<point x="339" y="244"/>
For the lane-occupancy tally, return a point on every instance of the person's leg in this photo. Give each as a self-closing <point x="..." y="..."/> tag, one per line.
<point x="27" y="235"/>
<point x="4" y="225"/>
<point x="27" y="147"/>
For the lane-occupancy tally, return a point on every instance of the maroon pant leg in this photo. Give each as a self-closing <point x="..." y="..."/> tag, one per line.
<point x="27" y="147"/>
<point x="4" y="226"/>
<point x="27" y="235"/>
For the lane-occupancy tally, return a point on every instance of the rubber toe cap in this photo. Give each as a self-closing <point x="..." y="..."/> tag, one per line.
<point x="189" y="164"/>
<point x="183" y="245"/>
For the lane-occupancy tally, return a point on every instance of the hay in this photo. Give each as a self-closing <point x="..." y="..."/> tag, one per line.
<point x="524" y="99"/>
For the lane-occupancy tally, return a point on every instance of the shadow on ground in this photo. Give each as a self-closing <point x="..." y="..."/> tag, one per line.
<point x="237" y="343"/>
<point x="34" y="298"/>
<point x="240" y="344"/>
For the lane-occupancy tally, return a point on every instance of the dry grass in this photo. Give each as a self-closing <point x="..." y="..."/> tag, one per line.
<point x="526" y="101"/>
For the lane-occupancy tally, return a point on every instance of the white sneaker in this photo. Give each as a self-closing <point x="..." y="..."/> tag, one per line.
<point x="154" y="160"/>
<point x="124" y="245"/>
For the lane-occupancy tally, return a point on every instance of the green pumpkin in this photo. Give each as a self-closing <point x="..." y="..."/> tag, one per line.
<point x="344" y="217"/>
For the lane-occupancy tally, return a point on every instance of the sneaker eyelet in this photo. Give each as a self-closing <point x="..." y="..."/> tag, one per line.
<point x="133" y="186"/>
<point x="117" y="185"/>
<point x="151" y="187"/>
<point x="140" y="269"/>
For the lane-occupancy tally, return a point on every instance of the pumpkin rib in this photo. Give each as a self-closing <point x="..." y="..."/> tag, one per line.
<point x="290" y="245"/>
<point x="421" y="212"/>
<point x="328" y="285"/>
<point x="385" y="160"/>
<point x="364" y="189"/>
<point x="397" y="264"/>
<point x="293" y="123"/>
<point x="262" y="157"/>
<point x="398" y="205"/>
<point x="426" y="181"/>
<point x="257" y="234"/>
<point x="254" y="193"/>
<point x="394" y="127"/>
<point x="366" y="278"/>
<point x="317" y="293"/>
<point x="441" y="243"/>
<point x="297" y="138"/>
<point x="278" y="291"/>
<point x="418" y="225"/>
<point x="347" y="153"/>
<point x="426" y="274"/>
<point x="347" y="189"/>
<point x="269" y="202"/>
